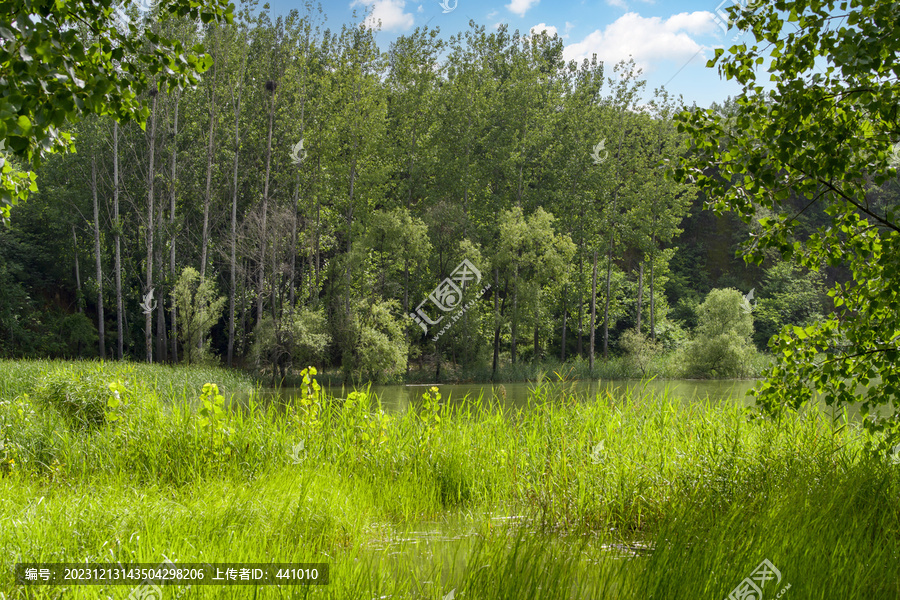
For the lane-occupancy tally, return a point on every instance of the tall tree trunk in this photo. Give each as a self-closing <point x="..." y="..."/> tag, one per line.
<point x="291" y="295"/>
<point x="265" y="210"/>
<point x="78" y="300"/>
<point x="173" y="276"/>
<point x="562" y="349"/>
<point x="101" y="329"/>
<point x="579" y="349"/>
<point x="148" y="320"/>
<point x="234" y="198"/>
<point x="606" y="301"/>
<point x="515" y="315"/>
<point x="593" y="312"/>
<point x="496" y="293"/>
<point x="640" y="295"/>
<point x="236" y="100"/>
<point x="652" y="298"/>
<point x="119" y="308"/>
<point x="210" y="150"/>
<point x="350" y="232"/>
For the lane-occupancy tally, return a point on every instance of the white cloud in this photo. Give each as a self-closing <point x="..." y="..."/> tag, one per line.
<point x="550" y="29"/>
<point x="617" y="3"/>
<point x="645" y="39"/>
<point x="421" y="9"/>
<point x="520" y="7"/>
<point x="389" y="12"/>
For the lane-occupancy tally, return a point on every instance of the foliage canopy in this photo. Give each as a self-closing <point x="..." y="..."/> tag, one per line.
<point x="821" y="130"/>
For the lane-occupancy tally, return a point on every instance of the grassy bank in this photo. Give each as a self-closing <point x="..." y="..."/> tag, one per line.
<point x="642" y="497"/>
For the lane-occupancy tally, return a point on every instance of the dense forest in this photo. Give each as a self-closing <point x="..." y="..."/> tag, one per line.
<point x="475" y="201"/>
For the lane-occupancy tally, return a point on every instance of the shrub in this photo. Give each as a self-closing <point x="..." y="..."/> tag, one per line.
<point x="639" y="350"/>
<point x="198" y="310"/>
<point x="721" y="346"/>
<point x="377" y="349"/>
<point x="299" y="339"/>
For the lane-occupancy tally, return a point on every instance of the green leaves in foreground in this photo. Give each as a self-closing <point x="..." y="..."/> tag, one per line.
<point x="63" y="60"/>
<point x="819" y="142"/>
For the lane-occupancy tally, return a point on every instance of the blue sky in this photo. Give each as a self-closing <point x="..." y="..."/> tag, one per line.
<point x="670" y="40"/>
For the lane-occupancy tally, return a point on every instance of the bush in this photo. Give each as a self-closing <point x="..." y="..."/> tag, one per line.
<point x="377" y="345"/>
<point x="639" y="350"/>
<point x="721" y="346"/>
<point x="299" y="339"/>
<point x="198" y="310"/>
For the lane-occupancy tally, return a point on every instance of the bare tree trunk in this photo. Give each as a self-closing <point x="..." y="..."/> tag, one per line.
<point x="291" y="295"/>
<point x="562" y="353"/>
<point x="101" y="329"/>
<point x="640" y="297"/>
<point x="78" y="300"/>
<point x="350" y="233"/>
<point x="236" y="99"/>
<point x="652" y="303"/>
<point x="579" y="349"/>
<point x="173" y="276"/>
<point x="210" y="149"/>
<point x="496" y="293"/>
<point x="593" y="312"/>
<point x="118" y="235"/>
<point x="515" y="315"/>
<point x="606" y="302"/>
<point x="265" y="209"/>
<point x="234" y="198"/>
<point x="148" y="321"/>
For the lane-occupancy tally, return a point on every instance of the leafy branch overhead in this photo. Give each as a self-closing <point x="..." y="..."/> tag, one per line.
<point x="60" y="61"/>
<point x="820" y="136"/>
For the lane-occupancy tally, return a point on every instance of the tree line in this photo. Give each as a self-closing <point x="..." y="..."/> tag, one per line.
<point x="311" y="197"/>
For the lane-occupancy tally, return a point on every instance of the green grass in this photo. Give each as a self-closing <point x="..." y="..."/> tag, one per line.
<point x="588" y="480"/>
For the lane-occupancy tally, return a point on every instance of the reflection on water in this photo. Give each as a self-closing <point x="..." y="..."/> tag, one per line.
<point x="397" y="398"/>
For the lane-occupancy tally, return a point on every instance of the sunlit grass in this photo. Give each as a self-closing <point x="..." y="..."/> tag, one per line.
<point x="641" y="496"/>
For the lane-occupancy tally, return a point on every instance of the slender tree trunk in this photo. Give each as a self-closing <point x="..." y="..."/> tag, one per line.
<point x="101" y="328"/>
<point x="593" y="312"/>
<point x="562" y="349"/>
<point x="78" y="300"/>
<point x="652" y="298"/>
<point x="291" y="295"/>
<point x="640" y="295"/>
<point x="119" y="308"/>
<point x="234" y="199"/>
<point x="148" y="320"/>
<point x="579" y="347"/>
<point x="496" y="294"/>
<point x="350" y="233"/>
<point x="515" y="315"/>
<point x="173" y="276"/>
<point x="265" y="210"/>
<point x="606" y="302"/>
<point x="210" y="151"/>
<point x="236" y="99"/>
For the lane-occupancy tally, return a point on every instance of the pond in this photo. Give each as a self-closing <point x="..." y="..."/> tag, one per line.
<point x="399" y="398"/>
